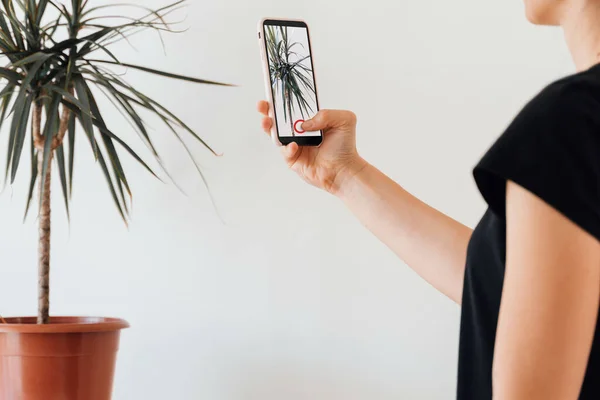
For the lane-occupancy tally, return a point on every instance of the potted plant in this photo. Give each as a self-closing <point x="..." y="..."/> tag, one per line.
<point x="58" y="59"/>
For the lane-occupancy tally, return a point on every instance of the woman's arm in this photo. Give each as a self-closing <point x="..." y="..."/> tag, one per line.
<point x="549" y="303"/>
<point x="431" y="243"/>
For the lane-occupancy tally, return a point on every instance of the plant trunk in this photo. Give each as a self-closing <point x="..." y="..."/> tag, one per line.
<point x="44" y="246"/>
<point x="44" y="231"/>
<point x="44" y="217"/>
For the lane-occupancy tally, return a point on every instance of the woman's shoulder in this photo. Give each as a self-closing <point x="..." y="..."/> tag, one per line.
<point x="565" y="110"/>
<point x="574" y="96"/>
<point x="551" y="148"/>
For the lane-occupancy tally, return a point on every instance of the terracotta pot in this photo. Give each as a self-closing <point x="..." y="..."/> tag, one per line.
<point x="72" y="358"/>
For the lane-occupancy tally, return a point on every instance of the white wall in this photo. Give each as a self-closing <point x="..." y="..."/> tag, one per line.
<point x="289" y="297"/>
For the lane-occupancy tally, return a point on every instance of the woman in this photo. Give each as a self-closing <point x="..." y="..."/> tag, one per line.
<point x="528" y="276"/>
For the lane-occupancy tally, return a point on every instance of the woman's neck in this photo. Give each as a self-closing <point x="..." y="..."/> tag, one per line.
<point x="581" y="26"/>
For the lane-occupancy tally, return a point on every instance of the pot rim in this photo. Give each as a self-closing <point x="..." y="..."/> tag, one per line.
<point x="63" y="325"/>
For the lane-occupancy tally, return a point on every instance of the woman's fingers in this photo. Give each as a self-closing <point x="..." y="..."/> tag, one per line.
<point x="263" y="107"/>
<point x="267" y="124"/>
<point x="290" y="153"/>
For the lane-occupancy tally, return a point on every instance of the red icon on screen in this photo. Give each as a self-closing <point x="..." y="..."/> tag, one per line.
<point x="299" y="129"/>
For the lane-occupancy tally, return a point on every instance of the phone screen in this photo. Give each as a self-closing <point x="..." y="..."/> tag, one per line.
<point x="292" y="77"/>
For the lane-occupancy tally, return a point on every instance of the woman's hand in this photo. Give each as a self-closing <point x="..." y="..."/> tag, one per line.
<point x="335" y="161"/>
<point x="434" y="245"/>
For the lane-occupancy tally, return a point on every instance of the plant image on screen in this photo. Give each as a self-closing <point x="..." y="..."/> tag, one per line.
<point x="291" y="79"/>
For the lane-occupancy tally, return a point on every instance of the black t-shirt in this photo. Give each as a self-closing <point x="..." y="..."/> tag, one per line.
<point x="552" y="149"/>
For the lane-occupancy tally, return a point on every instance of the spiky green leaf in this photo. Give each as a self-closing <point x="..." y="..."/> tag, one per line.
<point x="60" y="161"/>
<point x="34" y="175"/>
<point x="6" y="95"/>
<point x="71" y="139"/>
<point x="162" y="73"/>
<point x="18" y="115"/>
<point x="86" y="115"/>
<point x="19" y="138"/>
<point x="111" y="186"/>
<point x="9" y="74"/>
<point x="49" y="133"/>
<point x="105" y="131"/>
<point x="115" y="162"/>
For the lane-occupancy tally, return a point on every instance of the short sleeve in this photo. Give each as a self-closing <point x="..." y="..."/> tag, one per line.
<point x="552" y="149"/>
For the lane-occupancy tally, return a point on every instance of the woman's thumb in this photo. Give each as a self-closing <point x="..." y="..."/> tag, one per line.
<point x="329" y="119"/>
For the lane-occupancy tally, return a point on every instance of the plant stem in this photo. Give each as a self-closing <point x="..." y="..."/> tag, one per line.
<point x="64" y="125"/>
<point x="44" y="229"/>
<point x="289" y="108"/>
<point x="45" y="209"/>
<point x="44" y="246"/>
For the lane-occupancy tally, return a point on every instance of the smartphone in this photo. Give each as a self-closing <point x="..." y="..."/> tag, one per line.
<point x="290" y="82"/>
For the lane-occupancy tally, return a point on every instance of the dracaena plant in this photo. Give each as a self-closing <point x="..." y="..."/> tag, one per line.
<point x="57" y="61"/>
<point x="289" y="75"/>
